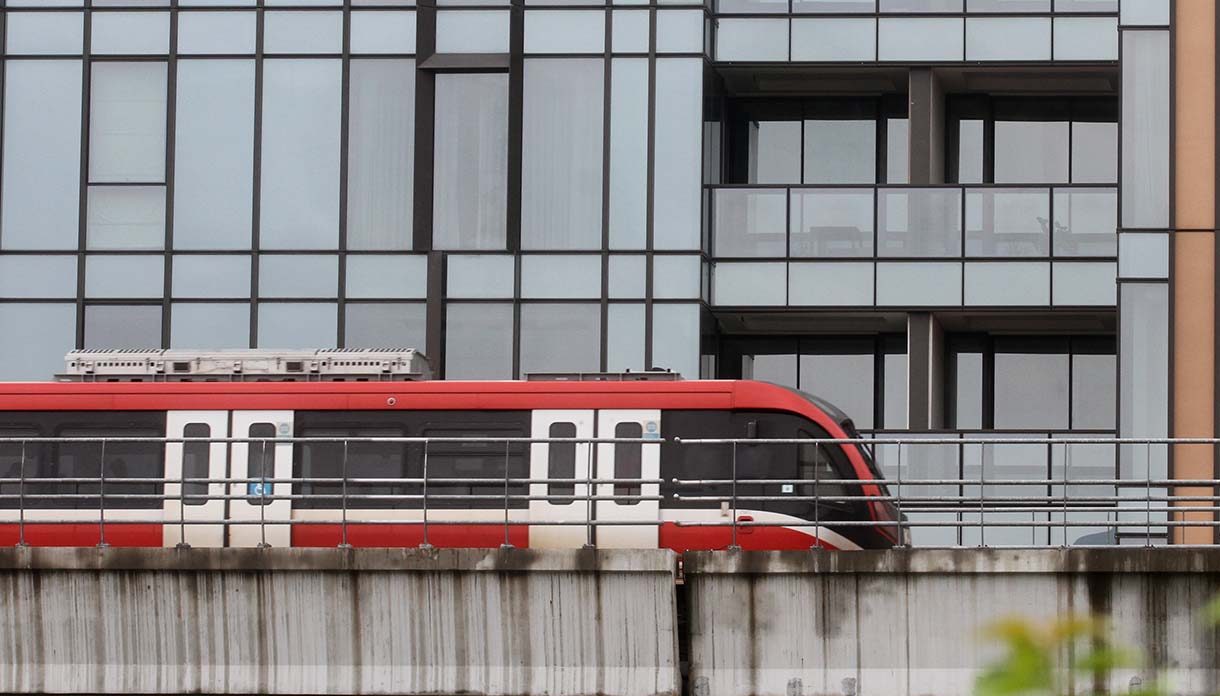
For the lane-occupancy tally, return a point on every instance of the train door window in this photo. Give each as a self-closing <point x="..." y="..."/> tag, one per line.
<point x="196" y="464"/>
<point x="260" y="463"/>
<point x="477" y="458"/>
<point x="628" y="461"/>
<point x="17" y="460"/>
<point x="369" y="468"/>
<point x="561" y="464"/>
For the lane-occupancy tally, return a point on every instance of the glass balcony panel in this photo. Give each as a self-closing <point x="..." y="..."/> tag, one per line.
<point x="750" y="222"/>
<point x="919" y="222"/>
<point x="1085" y="222"/>
<point x="1007" y="222"/>
<point x="832" y="223"/>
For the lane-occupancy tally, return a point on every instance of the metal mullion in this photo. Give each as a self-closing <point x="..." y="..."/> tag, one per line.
<point x="344" y="124"/>
<point x="650" y="176"/>
<point x="171" y="115"/>
<point x="604" y="357"/>
<point x="83" y="209"/>
<point x="3" y="89"/>
<point x="256" y="181"/>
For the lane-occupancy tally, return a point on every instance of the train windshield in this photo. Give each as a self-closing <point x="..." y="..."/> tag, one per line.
<point x="845" y="422"/>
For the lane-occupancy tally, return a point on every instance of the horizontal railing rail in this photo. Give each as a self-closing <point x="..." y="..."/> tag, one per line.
<point x="926" y="507"/>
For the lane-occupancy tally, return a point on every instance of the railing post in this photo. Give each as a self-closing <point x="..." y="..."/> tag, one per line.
<point x="1148" y="496"/>
<point x="898" y="495"/>
<point x="21" y="500"/>
<point x="101" y="500"/>
<point x="982" y="495"/>
<point x="425" y="545"/>
<point x="343" y="543"/>
<point x="507" y="544"/>
<point x="734" y="546"/>
<point x="262" y="492"/>
<point x="182" y="544"/>
<point x="1067" y="466"/>
<point x="817" y="507"/>
<point x="589" y="542"/>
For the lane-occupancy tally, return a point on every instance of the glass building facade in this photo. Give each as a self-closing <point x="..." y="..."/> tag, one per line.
<point x="943" y="215"/>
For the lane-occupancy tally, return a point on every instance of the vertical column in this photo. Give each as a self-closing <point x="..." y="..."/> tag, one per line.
<point x="1194" y="254"/>
<point x="927" y="127"/>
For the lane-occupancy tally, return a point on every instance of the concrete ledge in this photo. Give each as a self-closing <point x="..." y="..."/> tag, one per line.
<point x="956" y="561"/>
<point x="397" y="560"/>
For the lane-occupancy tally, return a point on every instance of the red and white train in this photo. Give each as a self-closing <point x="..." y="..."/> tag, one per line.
<point x="466" y="513"/>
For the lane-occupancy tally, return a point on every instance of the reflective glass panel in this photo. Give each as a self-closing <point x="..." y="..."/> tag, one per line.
<point x="471" y="161"/>
<point x="1085" y="222"/>
<point x="122" y="326"/>
<point x="211" y="275"/>
<point x="832" y="222"/>
<point x="296" y="324"/>
<point x="478" y="341"/>
<point x="210" y="325"/>
<point x="1031" y="152"/>
<point x="628" y="152"/>
<point x="1031" y="390"/>
<point x="37" y="353"/>
<point x="380" y="325"/>
<point x="1008" y="222"/>
<point x="919" y="222"/>
<point x="560" y="338"/>
<point x="840" y="152"/>
<point x="677" y="156"/>
<point x="124" y="277"/>
<point x="750" y="222"/>
<point x="1094" y="153"/>
<point x="127" y="122"/>
<point x="126" y="217"/>
<point x="381" y="154"/>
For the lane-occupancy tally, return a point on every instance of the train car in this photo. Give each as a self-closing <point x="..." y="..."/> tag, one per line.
<point x="60" y="505"/>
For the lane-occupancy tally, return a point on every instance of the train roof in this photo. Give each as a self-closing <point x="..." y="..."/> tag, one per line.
<point x="433" y="395"/>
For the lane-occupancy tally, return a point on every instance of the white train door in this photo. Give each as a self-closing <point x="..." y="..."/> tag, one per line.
<point x="568" y="461"/>
<point x="635" y="460"/>
<point x="195" y="460"/>
<point x="266" y="520"/>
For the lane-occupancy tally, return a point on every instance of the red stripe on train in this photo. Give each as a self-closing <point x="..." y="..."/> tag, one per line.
<point x="680" y="538"/>
<point x="84" y="534"/>
<point x="447" y="536"/>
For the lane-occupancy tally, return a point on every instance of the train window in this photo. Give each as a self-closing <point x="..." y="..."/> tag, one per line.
<point x="449" y="462"/>
<point x="367" y="466"/>
<point x="815" y="464"/>
<point x="628" y="461"/>
<point x="561" y="463"/>
<point x="17" y="460"/>
<point x="260" y="463"/>
<point x="112" y="461"/>
<point x="196" y="464"/>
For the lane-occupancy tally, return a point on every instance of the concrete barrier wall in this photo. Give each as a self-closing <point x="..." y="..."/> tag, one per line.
<point x="338" y="622"/>
<point x="909" y="623"/>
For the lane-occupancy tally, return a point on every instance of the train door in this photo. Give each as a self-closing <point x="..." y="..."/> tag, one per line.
<point x="265" y="521"/>
<point x="195" y="460"/>
<point x="628" y="460"/>
<point x="569" y="462"/>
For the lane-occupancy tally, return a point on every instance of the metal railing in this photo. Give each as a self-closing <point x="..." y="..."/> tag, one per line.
<point x="738" y="484"/>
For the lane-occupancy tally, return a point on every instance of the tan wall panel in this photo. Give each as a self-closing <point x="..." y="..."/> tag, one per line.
<point x="1194" y="367"/>
<point x="1195" y="130"/>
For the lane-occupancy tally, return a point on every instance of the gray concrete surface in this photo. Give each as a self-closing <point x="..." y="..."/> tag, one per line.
<point x="910" y="623"/>
<point x="337" y="622"/>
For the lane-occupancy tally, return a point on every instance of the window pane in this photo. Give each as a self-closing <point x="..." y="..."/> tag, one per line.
<point x="387" y="277"/>
<point x="210" y="326"/>
<point x="561" y="276"/>
<point x="628" y="152"/>
<point x="774" y="152"/>
<point x="561" y="462"/>
<point x="1086" y="38"/>
<point x="680" y="31"/>
<point x="260" y="462"/>
<point x="1008" y="284"/>
<point x="895" y="397"/>
<point x="970" y="152"/>
<point x="752" y="39"/>
<point x="923" y="38"/>
<point x="38" y="352"/>
<point x="381" y="154"/>
<point x="39" y="277"/>
<point x="1031" y="390"/>
<point x="1084" y="283"/>
<point x="897" y="150"/>
<point x="777" y="369"/>
<point x="629" y="31"/>
<point x="678" y="153"/>
<point x="832" y="223"/>
<point x="627" y="276"/>
<point x="211" y="276"/>
<point x="126" y="217"/>
<point x="1144" y="373"/>
<point x="912" y="284"/>
<point x="303" y="32"/>
<point x="919" y="222"/>
<point x="196" y="463"/>
<point x="832" y="39"/>
<point x="559" y="31"/>
<point x="1143" y="255"/>
<point x="676" y="277"/>
<point x="41" y="182"/>
<point x="127" y="122"/>
<point x="298" y="276"/>
<point x="129" y="33"/>
<point x="968" y="390"/>
<point x="1094" y="153"/>
<point x="845" y="379"/>
<point x="675" y="338"/>
<point x="830" y="284"/>
<point x="299" y="186"/>
<point x="749" y="284"/>
<point x="561" y="177"/>
<point x="1032" y="152"/>
<point x="471" y="31"/>
<point x="840" y="152"/>
<point x="296" y="325"/>
<point x="482" y="276"/>
<point x="125" y="277"/>
<point x="479" y="341"/>
<point x="214" y="154"/>
<point x="560" y="338"/>
<point x="123" y="326"/>
<point x="1007" y="222"/>
<point x="1008" y="38"/>
<point x="628" y="461"/>
<point x="1145" y="113"/>
<point x="625" y="337"/>
<point x="383" y="32"/>
<point x="1093" y="391"/>
<point x="216" y="32"/>
<point x="384" y="325"/>
<point x="43" y="33"/>
<point x="471" y="161"/>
